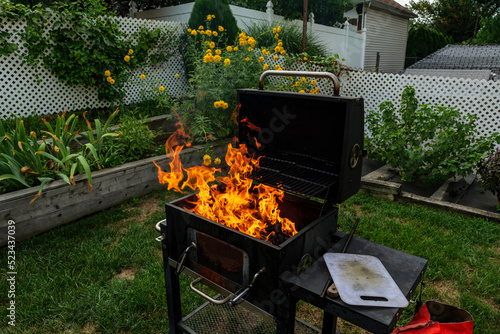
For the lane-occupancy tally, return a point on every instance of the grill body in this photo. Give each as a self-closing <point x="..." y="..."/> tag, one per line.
<point x="310" y="146"/>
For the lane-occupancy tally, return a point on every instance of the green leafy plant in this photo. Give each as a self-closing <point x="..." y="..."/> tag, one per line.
<point x="86" y="46"/>
<point x="489" y="172"/>
<point x="427" y="143"/>
<point x="135" y="139"/>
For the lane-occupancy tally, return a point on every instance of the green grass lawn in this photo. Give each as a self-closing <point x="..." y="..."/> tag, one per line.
<point x="104" y="273"/>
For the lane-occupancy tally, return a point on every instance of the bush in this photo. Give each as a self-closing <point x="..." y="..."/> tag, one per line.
<point x="489" y="172"/>
<point x="426" y="143"/>
<point x="221" y="15"/>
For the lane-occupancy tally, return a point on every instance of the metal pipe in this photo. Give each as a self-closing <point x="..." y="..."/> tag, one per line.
<point x="327" y="75"/>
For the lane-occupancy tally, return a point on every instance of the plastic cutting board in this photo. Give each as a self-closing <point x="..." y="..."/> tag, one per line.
<point x="362" y="280"/>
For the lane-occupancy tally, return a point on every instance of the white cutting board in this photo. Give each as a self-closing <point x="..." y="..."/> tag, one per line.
<point x="362" y="280"/>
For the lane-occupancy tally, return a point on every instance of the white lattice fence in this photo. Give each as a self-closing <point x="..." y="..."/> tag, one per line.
<point x="478" y="97"/>
<point x="22" y="94"/>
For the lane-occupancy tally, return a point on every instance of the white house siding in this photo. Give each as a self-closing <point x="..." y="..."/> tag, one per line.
<point x="386" y="34"/>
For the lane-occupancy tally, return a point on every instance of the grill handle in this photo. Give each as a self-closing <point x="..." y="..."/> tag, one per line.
<point x="207" y="297"/>
<point x="180" y="263"/>
<point x="243" y="292"/>
<point x="327" y="75"/>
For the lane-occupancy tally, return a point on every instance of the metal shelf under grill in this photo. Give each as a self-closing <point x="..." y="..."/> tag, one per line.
<point x="218" y="319"/>
<point x="294" y="173"/>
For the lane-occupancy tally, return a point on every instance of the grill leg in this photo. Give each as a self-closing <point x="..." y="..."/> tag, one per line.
<point x="285" y="313"/>
<point x="329" y="323"/>
<point x="172" y="288"/>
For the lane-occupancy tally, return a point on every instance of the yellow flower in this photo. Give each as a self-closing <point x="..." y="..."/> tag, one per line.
<point x="235" y="48"/>
<point x="221" y="28"/>
<point x="217" y="104"/>
<point x="280" y="44"/>
<point x="217" y="58"/>
<point x="112" y="81"/>
<point x="227" y="61"/>
<point x="261" y="59"/>
<point x="189" y="30"/>
<point x="317" y="90"/>
<point x="275" y="57"/>
<point x="208" y="32"/>
<point x="212" y="45"/>
<point x="280" y="69"/>
<point x="243" y="42"/>
<point x="283" y="52"/>
<point x="218" y="52"/>
<point x="127" y="58"/>
<point x="208" y="58"/>
<point x="202" y="32"/>
<point x="209" y="17"/>
<point x="109" y="79"/>
<point x="213" y="16"/>
<point x="252" y="42"/>
<point x="130" y="51"/>
<point x="276" y="36"/>
<point x="277" y="66"/>
<point x="264" y="52"/>
<point x="303" y="79"/>
<point x="250" y="49"/>
<point x="107" y="73"/>
<point x="301" y="91"/>
<point x="143" y="76"/>
<point x="277" y="49"/>
<point x="313" y="82"/>
<point x="297" y="84"/>
<point x="207" y="160"/>
<point x="225" y="105"/>
<point x="193" y="32"/>
<point x="247" y="58"/>
<point x="217" y="161"/>
<point x="268" y="53"/>
<point x="312" y="91"/>
<point x="200" y="28"/>
<point x="242" y="35"/>
<point x="229" y="48"/>
<point x="176" y="75"/>
<point x="274" y="30"/>
<point x="279" y="29"/>
<point x="215" y="33"/>
<point x="265" y="66"/>
<point x="161" y="88"/>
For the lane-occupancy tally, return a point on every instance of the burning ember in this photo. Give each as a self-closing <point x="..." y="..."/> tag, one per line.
<point x="233" y="200"/>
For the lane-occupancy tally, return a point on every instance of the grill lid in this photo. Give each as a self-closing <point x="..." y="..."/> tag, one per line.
<point x="309" y="145"/>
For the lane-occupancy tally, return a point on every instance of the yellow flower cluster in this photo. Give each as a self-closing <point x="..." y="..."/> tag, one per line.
<point x="109" y="78"/>
<point x="244" y="40"/>
<point x="301" y="85"/>
<point x="207" y="160"/>
<point x="210" y="17"/>
<point x="221" y="104"/>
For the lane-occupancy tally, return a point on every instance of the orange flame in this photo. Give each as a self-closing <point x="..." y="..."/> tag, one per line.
<point x="233" y="201"/>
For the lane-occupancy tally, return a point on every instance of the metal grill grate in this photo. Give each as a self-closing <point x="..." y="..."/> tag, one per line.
<point x="299" y="174"/>
<point x="218" y="319"/>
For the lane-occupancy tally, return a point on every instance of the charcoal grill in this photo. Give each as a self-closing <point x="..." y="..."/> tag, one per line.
<point x="310" y="146"/>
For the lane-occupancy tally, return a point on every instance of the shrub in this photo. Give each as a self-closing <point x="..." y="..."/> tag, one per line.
<point x="489" y="172"/>
<point x="428" y="143"/>
<point x="220" y="15"/>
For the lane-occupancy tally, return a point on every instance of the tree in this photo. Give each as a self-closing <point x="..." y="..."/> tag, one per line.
<point x="460" y="19"/>
<point x="223" y="16"/>
<point x="490" y="31"/>
<point x="423" y="41"/>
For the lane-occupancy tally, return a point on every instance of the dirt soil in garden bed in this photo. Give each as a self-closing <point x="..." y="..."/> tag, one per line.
<point x="467" y="194"/>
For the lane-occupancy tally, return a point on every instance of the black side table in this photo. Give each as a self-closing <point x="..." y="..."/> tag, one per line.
<point x="310" y="286"/>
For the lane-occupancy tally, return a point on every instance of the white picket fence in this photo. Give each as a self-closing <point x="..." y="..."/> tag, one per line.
<point x="28" y="91"/>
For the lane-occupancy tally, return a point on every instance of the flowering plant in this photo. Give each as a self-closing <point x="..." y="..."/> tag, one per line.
<point x="219" y="68"/>
<point x="489" y="172"/>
